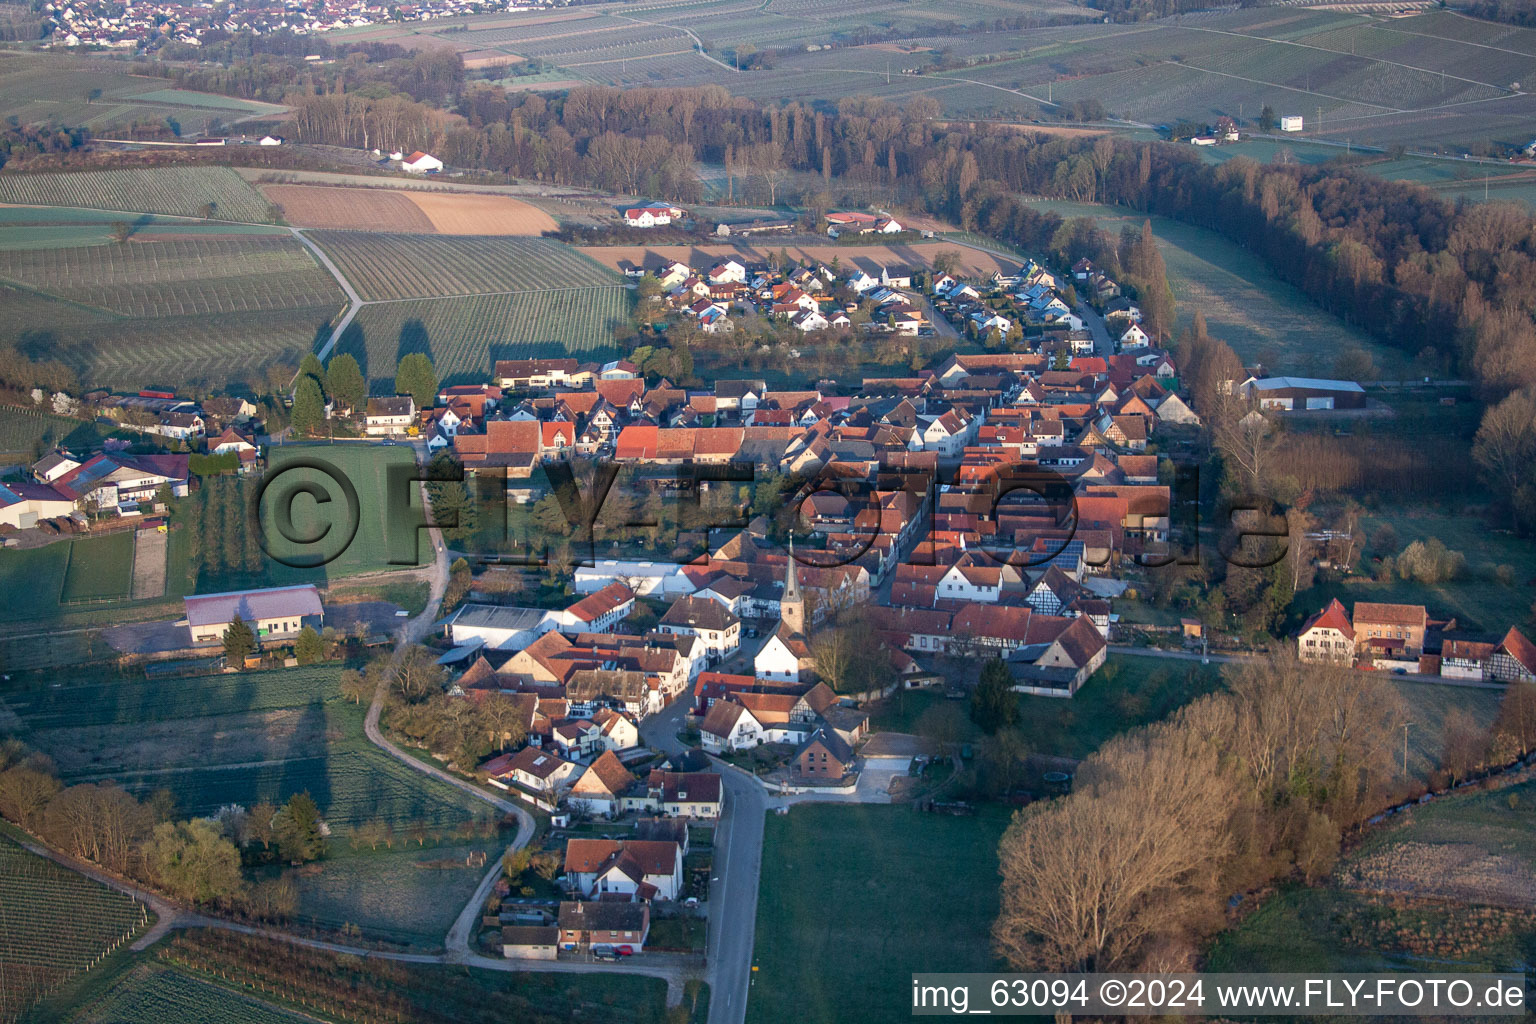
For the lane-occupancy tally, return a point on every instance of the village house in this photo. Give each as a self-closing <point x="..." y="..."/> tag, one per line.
<point x="708" y="622"/>
<point x="679" y="795"/>
<point x="1390" y="628"/>
<point x="601" y="788"/>
<point x="584" y="925"/>
<point x="825" y="757"/>
<point x="388" y="417"/>
<point x="1327" y="637"/>
<point x="644" y="870"/>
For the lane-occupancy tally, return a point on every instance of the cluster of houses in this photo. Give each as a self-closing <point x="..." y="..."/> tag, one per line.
<point x="127" y="26"/>
<point x="68" y="485"/>
<point x="810" y="299"/>
<point x="1402" y="638"/>
<point x="1003" y="308"/>
<point x="929" y="455"/>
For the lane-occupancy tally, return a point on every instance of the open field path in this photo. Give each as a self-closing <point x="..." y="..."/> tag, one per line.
<point x="148" y="565"/>
<point x="354" y="301"/>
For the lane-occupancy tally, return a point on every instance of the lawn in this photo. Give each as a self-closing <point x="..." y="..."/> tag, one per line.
<point x="1130" y="690"/>
<point x="1245" y="305"/>
<point x="371" y="470"/>
<point x="1476" y="599"/>
<point x="85" y="570"/>
<point x="100" y="569"/>
<point x="855" y="898"/>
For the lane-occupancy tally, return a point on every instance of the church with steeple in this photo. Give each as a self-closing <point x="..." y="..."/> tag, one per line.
<point x="786" y="657"/>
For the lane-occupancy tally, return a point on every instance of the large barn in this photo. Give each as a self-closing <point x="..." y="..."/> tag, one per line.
<point x="273" y="613"/>
<point x="1298" y="394"/>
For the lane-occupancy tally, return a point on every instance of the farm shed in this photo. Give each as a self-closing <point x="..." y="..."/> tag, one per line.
<point x="1304" y="393"/>
<point x="279" y="611"/>
<point x="529" y="942"/>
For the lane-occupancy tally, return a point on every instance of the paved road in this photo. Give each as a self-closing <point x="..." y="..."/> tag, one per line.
<point x="738" y="860"/>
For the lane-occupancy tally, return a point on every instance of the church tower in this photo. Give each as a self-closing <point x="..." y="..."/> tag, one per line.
<point x="792" y="604"/>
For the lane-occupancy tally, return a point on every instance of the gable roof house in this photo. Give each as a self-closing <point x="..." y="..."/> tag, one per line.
<point x="388" y="416"/>
<point x="603" y="923"/>
<point x="1061" y="667"/>
<point x="1327" y="637"/>
<point x="600" y="869"/>
<point x="1513" y="660"/>
<point x="601" y="788"/>
<point x="679" y="794"/>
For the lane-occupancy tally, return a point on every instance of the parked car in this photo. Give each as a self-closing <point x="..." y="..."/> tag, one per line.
<point x="605" y="953"/>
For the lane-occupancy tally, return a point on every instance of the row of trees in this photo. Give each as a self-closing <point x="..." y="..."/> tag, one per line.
<point x="199" y="860"/>
<point x="1133" y="870"/>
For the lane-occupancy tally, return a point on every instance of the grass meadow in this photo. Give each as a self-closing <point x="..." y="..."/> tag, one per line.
<point x="1129" y="691"/>
<point x="839" y="930"/>
<point x="1262" y="318"/>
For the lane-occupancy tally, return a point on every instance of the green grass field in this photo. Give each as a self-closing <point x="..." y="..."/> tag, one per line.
<point x="370" y="470"/>
<point x="182" y="191"/>
<point x="384" y="266"/>
<point x="53" y="924"/>
<point x="409" y="895"/>
<point x="1129" y="691"/>
<point x="100" y="569"/>
<point x="839" y="930"/>
<point x="1244" y="304"/>
<point x="464" y="337"/>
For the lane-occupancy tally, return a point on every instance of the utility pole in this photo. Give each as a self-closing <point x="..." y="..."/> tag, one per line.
<point x="1406" y="727"/>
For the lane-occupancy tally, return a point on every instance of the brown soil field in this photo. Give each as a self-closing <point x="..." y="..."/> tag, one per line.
<point x="474" y="59"/>
<point x="366" y="209"/>
<point x="869" y="258"/>
<point x="466" y="214"/>
<point x="422" y="213"/>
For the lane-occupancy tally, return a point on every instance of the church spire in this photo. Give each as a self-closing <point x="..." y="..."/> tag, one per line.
<point x="791" y="585"/>
<point x="792" y="603"/>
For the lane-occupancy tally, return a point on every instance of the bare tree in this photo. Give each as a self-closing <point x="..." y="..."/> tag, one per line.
<point x="1090" y="881"/>
<point x="1514" y="728"/>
